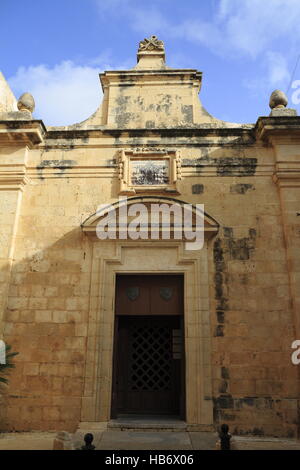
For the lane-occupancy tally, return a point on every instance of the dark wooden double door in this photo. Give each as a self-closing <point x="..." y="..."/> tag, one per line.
<point x="149" y="350"/>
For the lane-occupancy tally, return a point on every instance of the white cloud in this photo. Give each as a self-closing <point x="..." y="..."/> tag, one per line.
<point x="278" y="71"/>
<point x="66" y="93"/>
<point x="62" y="93"/>
<point x="253" y="29"/>
<point x="150" y="21"/>
<point x="244" y="27"/>
<point x="69" y="92"/>
<point x="112" y="5"/>
<point x="250" y="26"/>
<point x="273" y="74"/>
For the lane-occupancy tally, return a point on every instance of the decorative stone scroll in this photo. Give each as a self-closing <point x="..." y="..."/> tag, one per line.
<point x="147" y="170"/>
<point x="151" y="44"/>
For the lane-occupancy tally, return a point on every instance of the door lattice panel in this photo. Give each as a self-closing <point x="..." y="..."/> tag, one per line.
<point x="150" y="358"/>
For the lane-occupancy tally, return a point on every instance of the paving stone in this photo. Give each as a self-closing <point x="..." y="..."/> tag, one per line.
<point x="131" y="440"/>
<point x="203" y="440"/>
<point x="27" y="441"/>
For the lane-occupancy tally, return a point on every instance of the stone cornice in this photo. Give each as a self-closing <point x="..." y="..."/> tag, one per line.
<point x="21" y="133"/>
<point x="287" y="179"/>
<point x="12" y="180"/>
<point x="281" y="131"/>
<point x="146" y="76"/>
<point x="268" y="128"/>
<point x="13" y="176"/>
<point x="100" y="136"/>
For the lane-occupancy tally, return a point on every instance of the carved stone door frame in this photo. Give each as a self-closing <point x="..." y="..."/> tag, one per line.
<point x="110" y="258"/>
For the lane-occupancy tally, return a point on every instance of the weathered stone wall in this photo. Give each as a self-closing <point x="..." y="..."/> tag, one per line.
<point x="248" y="179"/>
<point x="254" y="383"/>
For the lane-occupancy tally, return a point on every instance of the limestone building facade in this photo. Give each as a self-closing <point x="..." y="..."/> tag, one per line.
<point x="114" y="326"/>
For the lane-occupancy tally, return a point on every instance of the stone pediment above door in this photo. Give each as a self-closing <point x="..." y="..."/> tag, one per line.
<point x="156" y="215"/>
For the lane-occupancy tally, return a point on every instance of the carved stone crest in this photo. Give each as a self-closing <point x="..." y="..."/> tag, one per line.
<point x="133" y="293"/>
<point x="151" y="44"/>
<point x="153" y="169"/>
<point x="166" y="293"/>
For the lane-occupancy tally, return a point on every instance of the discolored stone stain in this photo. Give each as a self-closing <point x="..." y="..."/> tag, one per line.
<point x="127" y="85"/>
<point x="242" y="166"/>
<point x="223" y="386"/>
<point x="228" y="248"/>
<point x="252" y="432"/>
<point x="224" y="373"/>
<point x="115" y="134"/>
<point x="220" y="317"/>
<point x="165" y="104"/>
<point x="241" y="188"/>
<point x="225" y="166"/>
<point x="227" y="416"/>
<point x="228" y="232"/>
<point x="73" y="134"/>
<point x="249" y="401"/>
<point x="123" y="117"/>
<point x="61" y="165"/>
<point x="234" y="249"/>
<point x="197" y="188"/>
<point x="124" y="77"/>
<point x="219" y="330"/>
<point x="222" y="301"/>
<point x="220" y="403"/>
<point x="225" y="402"/>
<point x="16" y="123"/>
<point x="150" y="124"/>
<point x="140" y="102"/>
<point x="187" y="111"/>
<point x="291" y="433"/>
<point x="241" y="249"/>
<point x="124" y="103"/>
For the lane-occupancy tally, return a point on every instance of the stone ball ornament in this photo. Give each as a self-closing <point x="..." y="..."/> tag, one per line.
<point x="26" y="103"/>
<point x="278" y="99"/>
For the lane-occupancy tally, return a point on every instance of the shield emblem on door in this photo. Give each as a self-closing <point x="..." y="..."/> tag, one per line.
<point x="132" y="293"/>
<point x="166" y="293"/>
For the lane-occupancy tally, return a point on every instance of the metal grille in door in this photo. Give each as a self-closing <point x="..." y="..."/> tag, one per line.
<point x="150" y="358"/>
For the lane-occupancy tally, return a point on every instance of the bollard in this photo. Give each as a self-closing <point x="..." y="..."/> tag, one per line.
<point x="88" y="439"/>
<point x="224" y="438"/>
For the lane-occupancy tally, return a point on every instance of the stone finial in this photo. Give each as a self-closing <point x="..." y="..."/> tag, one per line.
<point x="151" y="53"/>
<point x="26" y="103"/>
<point x="151" y="44"/>
<point x="278" y="99"/>
<point x="278" y="103"/>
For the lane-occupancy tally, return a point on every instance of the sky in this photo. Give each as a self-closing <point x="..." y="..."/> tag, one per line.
<point x="245" y="48"/>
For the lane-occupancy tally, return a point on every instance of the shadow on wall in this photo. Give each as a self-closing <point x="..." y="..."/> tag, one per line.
<point x="46" y="322"/>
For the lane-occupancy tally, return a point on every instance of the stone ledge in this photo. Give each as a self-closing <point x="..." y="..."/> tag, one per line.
<point x="283" y="112"/>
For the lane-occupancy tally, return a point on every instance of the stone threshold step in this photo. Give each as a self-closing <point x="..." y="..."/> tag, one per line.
<point x="146" y="425"/>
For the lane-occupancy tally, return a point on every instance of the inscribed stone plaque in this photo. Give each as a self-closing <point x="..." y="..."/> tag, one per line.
<point x="149" y="172"/>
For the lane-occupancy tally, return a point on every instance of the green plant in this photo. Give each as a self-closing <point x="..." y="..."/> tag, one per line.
<point x="5" y="368"/>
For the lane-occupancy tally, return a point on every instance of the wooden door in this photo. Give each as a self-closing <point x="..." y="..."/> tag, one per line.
<point x="148" y="356"/>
